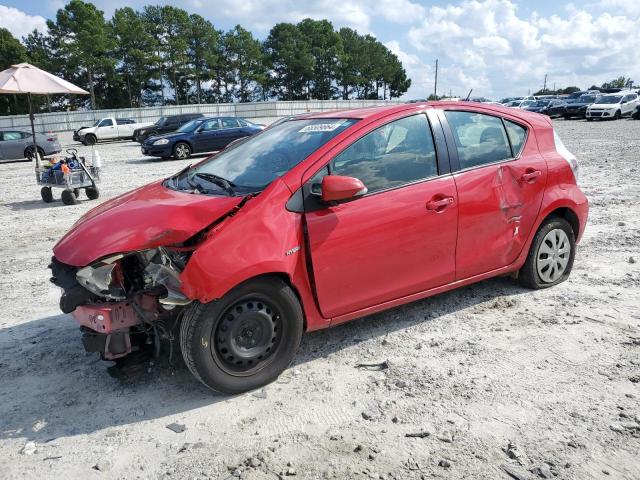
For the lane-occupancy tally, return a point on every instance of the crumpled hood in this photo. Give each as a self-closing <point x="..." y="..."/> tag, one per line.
<point x="147" y="217"/>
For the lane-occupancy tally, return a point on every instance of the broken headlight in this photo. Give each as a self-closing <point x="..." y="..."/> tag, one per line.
<point x="99" y="278"/>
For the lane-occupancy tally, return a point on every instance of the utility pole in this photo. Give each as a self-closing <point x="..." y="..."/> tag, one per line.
<point x="544" y="88"/>
<point x="435" y="85"/>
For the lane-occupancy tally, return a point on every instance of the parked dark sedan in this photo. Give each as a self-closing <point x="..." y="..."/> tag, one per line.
<point x="164" y="125"/>
<point x="539" y="106"/>
<point x="555" y="108"/>
<point x="578" y="108"/>
<point x="199" y="136"/>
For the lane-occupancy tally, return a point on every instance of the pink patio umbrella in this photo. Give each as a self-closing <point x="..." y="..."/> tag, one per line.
<point x="25" y="78"/>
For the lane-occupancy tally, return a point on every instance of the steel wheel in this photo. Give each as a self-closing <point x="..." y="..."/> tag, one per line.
<point x="182" y="151"/>
<point x="553" y="255"/>
<point x="247" y="336"/>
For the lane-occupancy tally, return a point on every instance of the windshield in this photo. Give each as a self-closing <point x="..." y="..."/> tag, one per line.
<point x="587" y="99"/>
<point x="248" y="167"/>
<point x="542" y="103"/>
<point x="528" y="103"/>
<point x="97" y="123"/>
<point x="161" y="121"/>
<point x="190" y="126"/>
<point x="609" y="99"/>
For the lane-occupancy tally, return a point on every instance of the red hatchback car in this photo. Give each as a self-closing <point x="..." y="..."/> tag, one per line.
<point x="319" y="220"/>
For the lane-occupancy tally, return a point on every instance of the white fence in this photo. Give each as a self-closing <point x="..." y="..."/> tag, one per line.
<point x="65" y="121"/>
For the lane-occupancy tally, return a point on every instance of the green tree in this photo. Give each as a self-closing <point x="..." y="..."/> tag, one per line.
<point x="204" y="51"/>
<point x="290" y="60"/>
<point x="326" y="48"/>
<point x="620" y="82"/>
<point x="134" y="52"/>
<point x="80" y="32"/>
<point x="11" y="52"/>
<point x="348" y="70"/>
<point x="244" y="62"/>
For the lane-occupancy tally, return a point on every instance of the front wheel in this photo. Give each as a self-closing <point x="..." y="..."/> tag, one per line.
<point x="244" y="340"/>
<point x="46" y="194"/>
<point x="181" y="151"/>
<point x="92" y="193"/>
<point x="618" y="115"/>
<point x="551" y="255"/>
<point x="90" y="140"/>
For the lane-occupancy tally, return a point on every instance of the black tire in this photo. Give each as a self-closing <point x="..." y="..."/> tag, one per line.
<point x="92" y="193"/>
<point x="589" y="119"/>
<point x="566" y="117"/>
<point x="68" y="198"/>
<point x="76" y="192"/>
<point x="28" y="152"/>
<point x="90" y="139"/>
<point x="618" y="115"/>
<point x="181" y="151"/>
<point x="211" y="334"/>
<point x="46" y="194"/>
<point x="529" y="275"/>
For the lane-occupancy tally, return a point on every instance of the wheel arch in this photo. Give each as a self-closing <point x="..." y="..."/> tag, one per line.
<point x="569" y="215"/>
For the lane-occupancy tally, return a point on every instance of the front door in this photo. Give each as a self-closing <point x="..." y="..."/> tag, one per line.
<point x="206" y="136"/>
<point x="396" y="240"/>
<point x="500" y="181"/>
<point x="106" y="130"/>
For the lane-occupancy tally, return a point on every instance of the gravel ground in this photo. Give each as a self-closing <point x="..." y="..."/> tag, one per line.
<point x="492" y="381"/>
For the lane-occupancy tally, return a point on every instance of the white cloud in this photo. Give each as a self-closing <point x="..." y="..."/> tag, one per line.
<point x="19" y="23"/>
<point x="488" y="46"/>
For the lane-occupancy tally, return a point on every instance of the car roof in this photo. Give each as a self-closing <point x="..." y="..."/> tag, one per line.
<point x="383" y="111"/>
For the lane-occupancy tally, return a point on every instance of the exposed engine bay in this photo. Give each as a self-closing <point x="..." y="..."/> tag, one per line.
<point x="125" y="303"/>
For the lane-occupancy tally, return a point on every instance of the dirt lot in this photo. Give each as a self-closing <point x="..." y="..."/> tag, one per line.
<point x="490" y="377"/>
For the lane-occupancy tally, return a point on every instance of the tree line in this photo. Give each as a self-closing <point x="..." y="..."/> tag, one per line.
<point x="162" y="55"/>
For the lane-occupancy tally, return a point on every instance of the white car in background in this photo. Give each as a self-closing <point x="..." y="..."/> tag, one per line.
<point x="108" y="128"/>
<point x="613" y="105"/>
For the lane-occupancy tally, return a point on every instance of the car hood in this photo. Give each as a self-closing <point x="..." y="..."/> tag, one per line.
<point x="148" y="217"/>
<point x="579" y="104"/>
<point x="606" y="106"/>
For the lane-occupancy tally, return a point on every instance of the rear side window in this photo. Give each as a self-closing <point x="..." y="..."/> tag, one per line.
<point x="480" y="139"/>
<point x="395" y="154"/>
<point x="229" y="123"/>
<point x="124" y="121"/>
<point x="517" y="134"/>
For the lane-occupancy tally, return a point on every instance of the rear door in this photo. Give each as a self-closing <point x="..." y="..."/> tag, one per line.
<point x="230" y="131"/>
<point x="400" y="237"/>
<point x="500" y="178"/>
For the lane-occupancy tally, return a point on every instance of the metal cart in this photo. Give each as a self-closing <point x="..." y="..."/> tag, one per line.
<point x="82" y="178"/>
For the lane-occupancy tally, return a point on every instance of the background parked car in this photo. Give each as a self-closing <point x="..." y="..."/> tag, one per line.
<point x="636" y="113"/>
<point x="538" y="106"/>
<point x="164" y="125"/>
<point x="107" y="129"/>
<point x="555" y="108"/>
<point x="199" y="136"/>
<point x="616" y="105"/>
<point x="578" y="108"/>
<point x="17" y="144"/>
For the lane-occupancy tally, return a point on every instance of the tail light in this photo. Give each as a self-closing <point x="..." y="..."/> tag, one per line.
<point x="567" y="155"/>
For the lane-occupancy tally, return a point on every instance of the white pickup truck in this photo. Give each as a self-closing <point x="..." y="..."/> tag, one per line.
<point x="108" y="129"/>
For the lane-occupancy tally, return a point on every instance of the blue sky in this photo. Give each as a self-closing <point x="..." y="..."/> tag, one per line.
<point x="496" y="47"/>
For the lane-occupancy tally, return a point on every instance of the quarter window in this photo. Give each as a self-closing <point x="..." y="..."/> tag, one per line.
<point x="480" y="139"/>
<point x="395" y="154"/>
<point x="516" y="134"/>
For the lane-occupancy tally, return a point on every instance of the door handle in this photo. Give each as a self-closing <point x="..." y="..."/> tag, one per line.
<point x="530" y="176"/>
<point x="439" y="203"/>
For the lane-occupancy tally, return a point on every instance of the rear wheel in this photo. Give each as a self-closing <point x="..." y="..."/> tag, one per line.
<point x="46" y="194"/>
<point x="68" y="197"/>
<point x="246" y="339"/>
<point x="551" y="255"/>
<point x="28" y="152"/>
<point x="181" y="150"/>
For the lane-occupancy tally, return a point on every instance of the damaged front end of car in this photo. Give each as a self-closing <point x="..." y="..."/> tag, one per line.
<point x="125" y="303"/>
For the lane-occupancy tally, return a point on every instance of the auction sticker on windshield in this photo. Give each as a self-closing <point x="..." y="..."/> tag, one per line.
<point x="321" y="127"/>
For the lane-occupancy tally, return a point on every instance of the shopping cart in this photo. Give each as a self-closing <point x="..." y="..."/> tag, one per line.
<point x="75" y="177"/>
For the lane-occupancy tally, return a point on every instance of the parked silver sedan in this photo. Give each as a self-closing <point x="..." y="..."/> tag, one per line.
<point x="17" y="144"/>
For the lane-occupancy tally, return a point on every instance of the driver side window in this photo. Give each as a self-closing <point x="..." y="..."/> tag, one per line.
<point x="106" y="123"/>
<point x="395" y="154"/>
<point x="210" y="125"/>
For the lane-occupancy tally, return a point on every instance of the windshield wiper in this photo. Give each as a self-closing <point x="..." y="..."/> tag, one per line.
<point x="227" y="185"/>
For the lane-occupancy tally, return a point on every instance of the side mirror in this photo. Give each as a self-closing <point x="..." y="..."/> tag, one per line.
<point x="336" y="188"/>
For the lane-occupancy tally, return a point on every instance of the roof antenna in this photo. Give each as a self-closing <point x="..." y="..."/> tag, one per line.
<point x="467" y="99"/>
